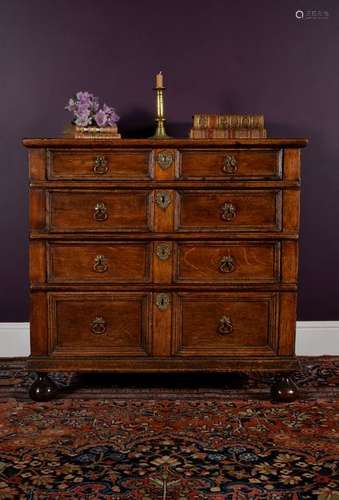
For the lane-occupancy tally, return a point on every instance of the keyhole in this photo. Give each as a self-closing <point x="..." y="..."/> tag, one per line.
<point x="163" y="199"/>
<point x="162" y="301"/>
<point x="163" y="251"/>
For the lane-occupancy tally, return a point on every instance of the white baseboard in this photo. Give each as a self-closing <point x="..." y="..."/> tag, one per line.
<point x="317" y="338"/>
<point x="314" y="338"/>
<point x="14" y="340"/>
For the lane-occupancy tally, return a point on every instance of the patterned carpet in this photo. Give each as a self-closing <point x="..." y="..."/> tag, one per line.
<point x="142" y="442"/>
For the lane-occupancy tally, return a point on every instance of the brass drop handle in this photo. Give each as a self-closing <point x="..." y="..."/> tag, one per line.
<point x="100" y="264"/>
<point x="225" y="325"/>
<point x="228" y="211"/>
<point x="100" y="212"/>
<point x="230" y="165"/>
<point x="227" y="264"/>
<point x="100" y="165"/>
<point x="98" y="326"/>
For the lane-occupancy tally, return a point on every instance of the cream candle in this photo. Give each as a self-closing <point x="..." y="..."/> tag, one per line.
<point x="159" y="80"/>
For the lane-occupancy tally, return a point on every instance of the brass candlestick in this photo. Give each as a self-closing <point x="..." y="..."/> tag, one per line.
<point x="160" y="132"/>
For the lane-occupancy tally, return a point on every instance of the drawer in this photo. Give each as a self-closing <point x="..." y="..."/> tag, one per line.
<point x="119" y="262"/>
<point x="227" y="164"/>
<point x="96" y="164"/>
<point x="222" y="324"/>
<point x="99" y="210"/>
<point x="245" y="210"/>
<point x="108" y="324"/>
<point x="227" y="262"/>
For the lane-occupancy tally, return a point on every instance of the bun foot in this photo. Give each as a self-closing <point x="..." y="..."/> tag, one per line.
<point x="43" y="388"/>
<point x="284" y="390"/>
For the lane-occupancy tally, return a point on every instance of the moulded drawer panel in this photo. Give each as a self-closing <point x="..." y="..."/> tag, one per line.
<point x="96" y="164"/>
<point x="97" y="323"/>
<point x="227" y="262"/>
<point x="246" y="210"/>
<point x="99" y="211"/>
<point x="121" y="262"/>
<point x="228" y="164"/>
<point x="221" y="324"/>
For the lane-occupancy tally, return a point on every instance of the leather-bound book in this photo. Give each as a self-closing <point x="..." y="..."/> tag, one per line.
<point x="225" y="121"/>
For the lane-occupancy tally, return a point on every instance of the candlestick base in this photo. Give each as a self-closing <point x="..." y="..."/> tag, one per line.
<point x="160" y="132"/>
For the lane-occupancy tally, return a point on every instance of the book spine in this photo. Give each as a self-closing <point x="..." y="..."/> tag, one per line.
<point x="97" y="130"/>
<point x="235" y="133"/>
<point x="203" y="121"/>
<point x="88" y="135"/>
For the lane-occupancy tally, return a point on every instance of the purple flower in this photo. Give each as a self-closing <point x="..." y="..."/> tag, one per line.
<point x="71" y="106"/>
<point x="82" y="109"/>
<point x="101" y="118"/>
<point x="107" y="109"/>
<point x="84" y="96"/>
<point x="86" y="109"/>
<point x="113" y="118"/>
<point x="83" y="119"/>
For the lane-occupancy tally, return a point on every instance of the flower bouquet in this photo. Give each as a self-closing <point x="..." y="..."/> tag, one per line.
<point x="90" y="120"/>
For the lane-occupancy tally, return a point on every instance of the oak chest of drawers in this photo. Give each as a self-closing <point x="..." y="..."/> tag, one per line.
<point x="163" y="255"/>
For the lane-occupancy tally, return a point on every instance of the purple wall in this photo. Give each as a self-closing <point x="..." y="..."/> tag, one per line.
<point x="219" y="55"/>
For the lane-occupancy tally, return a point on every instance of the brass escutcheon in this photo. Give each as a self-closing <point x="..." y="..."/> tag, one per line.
<point x="100" y="264"/>
<point x="165" y="159"/>
<point x="227" y="264"/>
<point x="163" y="251"/>
<point x="230" y="165"/>
<point x="163" y="199"/>
<point x="100" y="211"/>
<point x="100" y="165"/>
<point x="225" y="325"/>
<point x="162" y="301"/>
<point x="98" y="326"/>
<point x="228" y="211"/>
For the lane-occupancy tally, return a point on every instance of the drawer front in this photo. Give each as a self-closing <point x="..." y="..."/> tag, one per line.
<point x="108" y="324"/>
<point x="246" y="210"/>
<point x="99" y="164"/>
<point x="99" y="262"/>
<point x="228" y="164"/>
<point x="99" y="211"/>
<point x="222" y="324"/>
<point x="227" y="262"/>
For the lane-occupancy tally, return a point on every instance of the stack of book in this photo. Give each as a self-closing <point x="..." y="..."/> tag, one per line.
<point x="77" y="132"/>
<point x="211" y="126"/>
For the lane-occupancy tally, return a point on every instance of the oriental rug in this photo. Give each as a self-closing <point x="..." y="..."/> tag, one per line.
<point x="168" y="450"/>
<point x="170" y="438"/>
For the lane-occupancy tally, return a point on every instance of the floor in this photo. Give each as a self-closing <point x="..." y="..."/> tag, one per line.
<point x="202" y="438"/>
